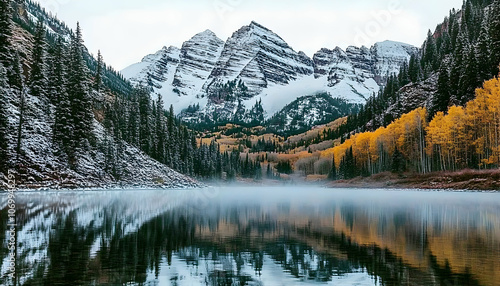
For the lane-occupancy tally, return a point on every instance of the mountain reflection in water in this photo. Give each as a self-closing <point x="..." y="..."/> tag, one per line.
<point x="255" y="236"/>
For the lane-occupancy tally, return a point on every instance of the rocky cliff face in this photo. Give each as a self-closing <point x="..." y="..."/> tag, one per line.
<point x="269" y="69"/>
<point x="259" y="57"/>
<point x="198" y="57"/>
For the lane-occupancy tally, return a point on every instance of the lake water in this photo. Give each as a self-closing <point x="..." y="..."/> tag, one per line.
<point x="255" y="236"/>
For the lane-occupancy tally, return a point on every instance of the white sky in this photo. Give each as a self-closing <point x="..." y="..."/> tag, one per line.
<point x="127" y="30"/>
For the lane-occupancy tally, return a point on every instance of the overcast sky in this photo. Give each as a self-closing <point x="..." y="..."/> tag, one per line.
<point x="127" y="30"/>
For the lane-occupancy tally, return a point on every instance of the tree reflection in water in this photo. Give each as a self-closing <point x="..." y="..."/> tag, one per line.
<point x="118" y="238"/>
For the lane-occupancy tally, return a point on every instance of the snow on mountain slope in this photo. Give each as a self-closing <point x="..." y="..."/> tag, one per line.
<point x="197" y="60"/>
<point x="155" y="69"/>
<point x="269" y="68"/>
<point x="258" y="57"/>
<point x="42" y="167"/>
<point x="390" y="56"/>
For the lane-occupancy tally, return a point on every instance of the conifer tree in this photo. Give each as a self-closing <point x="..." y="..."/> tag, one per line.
<point x="414" y="68"/>
<point x="57" y="74"/>
<point x="494" y="33"/>
<point x="78" y="91"/>
<point x="160" y="130"/>
<point x="15" y="73"/>
<point x="333" y="172"/>
<point x="483" y="56"/>
<point x="469" y="79"/>
<point x="5" y="34"/>
<point x="145" y="114"/>
<point x="4" y="92"/>
<point x="18" y="81"/>
<point x="398" y="162"/>
<point x="38" y="75"/>
<point x="133" y="121"/>
<point x="441" y="99"/>
<point x="99" y="72"/>
<point x="62" y="131"/>
<point x="457" y="70"/>
<point x="429" y="58"/>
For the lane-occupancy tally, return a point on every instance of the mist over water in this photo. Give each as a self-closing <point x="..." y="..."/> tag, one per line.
<point x="234" y="235"/>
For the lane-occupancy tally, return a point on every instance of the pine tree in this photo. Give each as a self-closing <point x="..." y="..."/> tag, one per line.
<point x="62" y="130"/>
<point x="16" y="77"/>
<point x="38" y="75"/>
<point x="469" y="80"/>
<point x="404" y="75"/>
<point x="454" y="30"/>
<point x="429" y="58"/>
<point x="99" y="72"/>
<point x="18" y="81"/>
<point x="57" y="73"/>
<point x="269" y="172"/>
<point x="78" y="91"/>
<point x="171" y="120"/>
<point x="160" y="130"/>
<point x="494" y="32"/>
<point x="5" y="35"/>
<point x="441" y="99"/>
<point x="145" y="113"/>
<point x="133" y="121"/>
<point x="333" y="172"/>
<point x="483" y="56"/>
<point x="457" y="69"/>
<point x="414" y="70"/>
<point x="398" y="162"/>
<point x="4" y="92"/>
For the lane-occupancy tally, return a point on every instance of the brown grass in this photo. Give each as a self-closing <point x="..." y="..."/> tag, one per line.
<point x="459" y="180"/>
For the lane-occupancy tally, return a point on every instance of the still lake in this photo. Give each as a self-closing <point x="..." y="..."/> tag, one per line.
<point x="255" y="236"/>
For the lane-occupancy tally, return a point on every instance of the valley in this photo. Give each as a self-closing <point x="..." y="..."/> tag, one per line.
<point x="247" y="108"/>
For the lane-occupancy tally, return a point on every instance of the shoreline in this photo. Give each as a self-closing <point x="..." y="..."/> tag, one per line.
<point x="463" y="180"/>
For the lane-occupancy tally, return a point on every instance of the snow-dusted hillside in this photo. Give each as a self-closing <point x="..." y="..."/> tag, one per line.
<point x="269" y="68"/>
<point x="40" y="162"/>
<point x="43" y="168"/>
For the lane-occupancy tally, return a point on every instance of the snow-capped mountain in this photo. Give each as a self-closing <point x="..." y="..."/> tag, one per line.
<point x="270" y="70"/>
<point x="259" y="57"/>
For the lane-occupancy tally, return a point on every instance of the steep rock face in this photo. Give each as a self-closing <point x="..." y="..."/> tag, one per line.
<point x="360" y="71"/>
<point x="259" y="57"/>
<point x="201" y="72"/>
<point x="346" y="72"/>
<point x="198" y="57"/>
<point x="156" y="69"/>
<point x="389" y="57"/>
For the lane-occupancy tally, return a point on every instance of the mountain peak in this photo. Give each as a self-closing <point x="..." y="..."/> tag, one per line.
<point x="207" y="34"/>
<point x="255" y="24"/>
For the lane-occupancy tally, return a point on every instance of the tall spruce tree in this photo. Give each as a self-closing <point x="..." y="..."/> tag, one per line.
<point x="160" y="130"/>
<point x="414" y="69"/>
<point x="145" y="114"/>
<point x="441" y="99"/>
<point x="38" y="81"/>
<point x="18" y="84"/>
<point x="99" y="72"/>
<point x="429" y="55"/>
<point x="79" y="96"/>
<point x="494" y="32"/>
<point x="469" y="80"/>
<point x="333" y="171"/>
<point x="63" y="127"/>
<point x="4" y="127"/>
<point x="5" y="35"/>
<point x="483" y="52"/>
<point x="457" y="70"/>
